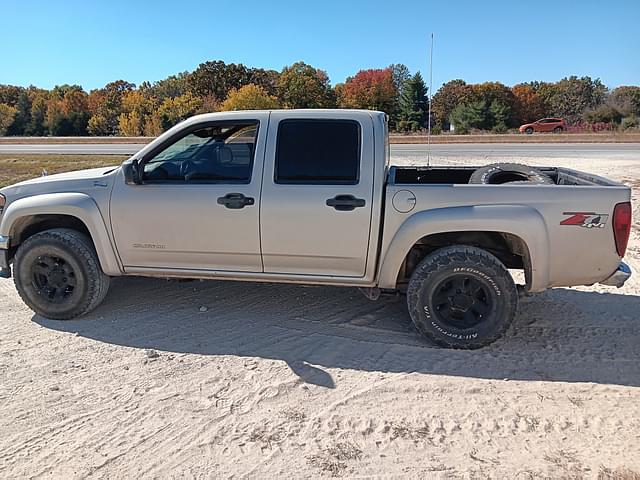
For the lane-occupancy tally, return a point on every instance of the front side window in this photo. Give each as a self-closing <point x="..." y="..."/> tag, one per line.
<point x="323" y="152"/>
<point x="218" y="153"/>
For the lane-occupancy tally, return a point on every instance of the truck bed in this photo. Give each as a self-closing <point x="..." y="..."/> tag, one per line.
<point x="460" y="175"/>
<point x="572" y="255"/>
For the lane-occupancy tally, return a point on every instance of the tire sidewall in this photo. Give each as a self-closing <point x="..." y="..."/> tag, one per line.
<point x="497" y="284"/>
<point x="484" y="175"/>
<point x="26" y="258"/>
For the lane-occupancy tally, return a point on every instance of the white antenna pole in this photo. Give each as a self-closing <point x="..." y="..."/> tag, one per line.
<point x="430" y="95"/>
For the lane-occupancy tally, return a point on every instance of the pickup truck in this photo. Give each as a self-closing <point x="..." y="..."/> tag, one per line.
<point x="309" y="197"/>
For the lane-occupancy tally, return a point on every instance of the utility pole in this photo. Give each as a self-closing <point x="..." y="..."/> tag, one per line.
<point x="430" y="95"/>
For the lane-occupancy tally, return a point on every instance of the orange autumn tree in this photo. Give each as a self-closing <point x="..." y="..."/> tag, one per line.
<point x="371" y="90"/>
<point x="529" y="104"/>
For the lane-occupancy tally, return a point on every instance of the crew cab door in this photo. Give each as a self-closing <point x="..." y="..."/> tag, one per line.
<point x="317" y="194"/>
<point x="197" y="208"/>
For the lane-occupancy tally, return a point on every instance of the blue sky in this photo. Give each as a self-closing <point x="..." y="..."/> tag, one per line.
<point x="91" y="43"/>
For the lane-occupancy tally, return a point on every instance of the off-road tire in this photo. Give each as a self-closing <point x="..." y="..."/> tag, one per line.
<point x="463" y="262"/>
<point x="499" y="173"/>
<point x="75" y="250"/>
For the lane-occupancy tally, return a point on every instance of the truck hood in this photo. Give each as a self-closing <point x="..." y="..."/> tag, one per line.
<point x="78" y="181"/>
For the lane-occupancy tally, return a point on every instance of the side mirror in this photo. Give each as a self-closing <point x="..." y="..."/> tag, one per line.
<point x="131" y="171"/>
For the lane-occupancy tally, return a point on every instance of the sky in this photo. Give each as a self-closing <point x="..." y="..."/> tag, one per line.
<point x="91" y="43"/>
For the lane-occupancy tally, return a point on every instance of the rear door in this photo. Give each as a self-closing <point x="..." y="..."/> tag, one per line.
<point x="547" y="124"/>
<point x="317" y="193"/>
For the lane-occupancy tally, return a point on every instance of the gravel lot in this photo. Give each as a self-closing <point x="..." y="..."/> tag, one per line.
<point x="234" y="380"/>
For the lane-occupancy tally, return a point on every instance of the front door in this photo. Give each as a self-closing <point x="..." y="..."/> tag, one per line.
<point x="198" y="206"/>
<point x="317" y="195"/>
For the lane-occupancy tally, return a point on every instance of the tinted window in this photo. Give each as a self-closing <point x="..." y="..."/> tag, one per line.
<point x="318" y="152"/>
<point x="219" y="153"/>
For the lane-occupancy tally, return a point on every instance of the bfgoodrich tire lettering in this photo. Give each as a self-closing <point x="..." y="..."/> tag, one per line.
<point x="500" y="173"/>
<point x="58" y="274"/>
<point x="462" y="297"/>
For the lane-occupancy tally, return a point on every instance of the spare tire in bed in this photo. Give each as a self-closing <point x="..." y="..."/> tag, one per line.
<point x="498" y="173"/>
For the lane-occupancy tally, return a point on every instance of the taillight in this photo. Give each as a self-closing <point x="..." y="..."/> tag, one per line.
<point x="622" y="226"/>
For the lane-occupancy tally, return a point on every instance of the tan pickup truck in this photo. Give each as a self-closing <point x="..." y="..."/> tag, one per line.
<point x="308" y="196"/>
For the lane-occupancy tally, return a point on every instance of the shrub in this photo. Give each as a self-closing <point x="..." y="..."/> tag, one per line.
<point x="630" y="122"/>
<point x="603" y="114"/>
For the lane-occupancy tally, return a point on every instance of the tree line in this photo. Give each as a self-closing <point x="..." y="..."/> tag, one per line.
<point x="122" y="108"/>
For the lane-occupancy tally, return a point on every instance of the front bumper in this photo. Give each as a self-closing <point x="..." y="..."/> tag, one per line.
<point x="619" y="277"/>
<point x="5" y="268"/>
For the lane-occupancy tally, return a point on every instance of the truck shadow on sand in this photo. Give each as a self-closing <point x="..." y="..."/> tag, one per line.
<point x="560" y="335"/>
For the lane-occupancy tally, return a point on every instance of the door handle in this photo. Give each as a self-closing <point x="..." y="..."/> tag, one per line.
<point x="345" y="203"/>
<point x="235" y="200"/>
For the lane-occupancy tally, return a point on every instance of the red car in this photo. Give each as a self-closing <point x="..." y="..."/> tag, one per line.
<point x="555" y="125"/>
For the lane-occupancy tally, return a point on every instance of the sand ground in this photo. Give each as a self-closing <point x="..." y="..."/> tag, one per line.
<point x="234" y="380"/>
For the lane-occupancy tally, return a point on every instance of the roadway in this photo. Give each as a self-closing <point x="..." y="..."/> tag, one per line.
<point x="615" y="151"/>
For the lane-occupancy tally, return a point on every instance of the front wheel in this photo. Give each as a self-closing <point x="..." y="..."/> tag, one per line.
<point x="528" y="130"/>
<point x="58" y="274"/>
<point x="462" y="297"/>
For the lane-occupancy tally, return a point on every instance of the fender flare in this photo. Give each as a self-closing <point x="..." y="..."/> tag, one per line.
<point x="78" y="205"/>
<point x="519" y="220"/>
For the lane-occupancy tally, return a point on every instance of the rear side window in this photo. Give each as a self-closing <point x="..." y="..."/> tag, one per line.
<point x="323" y="152"/>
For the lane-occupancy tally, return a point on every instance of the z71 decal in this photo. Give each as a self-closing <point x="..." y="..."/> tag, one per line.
<point x="585" y="219"/>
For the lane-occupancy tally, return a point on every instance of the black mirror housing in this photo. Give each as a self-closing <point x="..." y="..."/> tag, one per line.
<point x="131" y="172"/>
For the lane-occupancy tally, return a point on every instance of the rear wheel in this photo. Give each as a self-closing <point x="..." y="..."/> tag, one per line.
<point x="58" y="274"/>
<point x="557" y="130"/>
<point x="462" y="297"/>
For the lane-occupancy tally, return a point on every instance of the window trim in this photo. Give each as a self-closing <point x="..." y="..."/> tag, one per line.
<point x="176" y="137"/>
<point x="317" y="182"/>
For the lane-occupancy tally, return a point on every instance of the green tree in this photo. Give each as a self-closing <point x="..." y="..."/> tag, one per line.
<point x="303" y="86"/>
<point x="401" y="75"/>
<point x="626" y="100"/>
<point x="249" y="97"/>
<point x="266" y="79"/>
<point x="105" y="104"/>
<point x="572" y="96"/>
<point x="172" y="86"/>
<point x="414" y="104"/>
<point x="603" y="113"/>
<point x="38" y="99"/>
<point x="174" y="110"/>
<point x="23" y="114"/>
<point x="500" y="95"/>
<point x="466" y="116"/>
<point x="499" y="116"/>
<point x="7" y="115"/>
<point x="9" y="94"/>
<point x="447" y="98"/>
<point x="217" y="78"/>
<point x="67" y="111"/>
